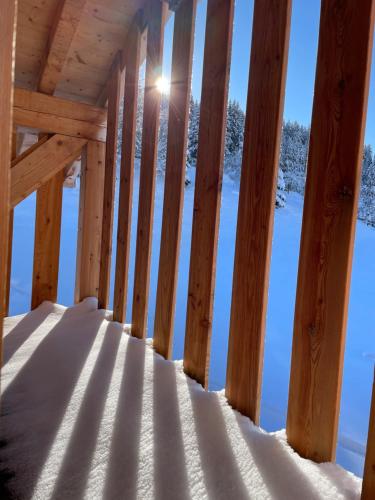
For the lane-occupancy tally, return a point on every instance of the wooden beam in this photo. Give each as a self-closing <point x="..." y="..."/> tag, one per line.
<point x="178" y="121"/>
<point x="8" y="25"/>
<point x="54" y="124"/>
<point x="109" y="187"/>
<point x="66" y="23"/>
<point x="265" y="101"/>
<point x="368" y="485"/>
<point x="10" y="235"/>
<point x="328" y="227"/>
<point x="90" y="221"/>
<point x="155" y="42"/>
<point x="209" y="171"/>
<point x="63" y="108"/>
<point x="47" y="240"/>
<point x="42" y="164"/>
<point x="126" y="174"/>
<point x="20" y="158"/>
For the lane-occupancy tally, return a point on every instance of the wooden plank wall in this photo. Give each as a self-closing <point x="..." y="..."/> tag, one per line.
<point x="329" y="219"/>
<point x="260" y="162"/>
<point x="109" y="185"/>
<point x="127" y="172"/>
<point x="157" y="15"/>
<point x="368" y="486"/>
<point x="90" y="221"/>
<point x="209" y="169"/>
<point x="178" y="121"/>
<point x="8" y="20"/>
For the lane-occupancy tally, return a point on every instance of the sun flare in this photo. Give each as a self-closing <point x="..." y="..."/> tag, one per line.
<point x="163" y="85"/>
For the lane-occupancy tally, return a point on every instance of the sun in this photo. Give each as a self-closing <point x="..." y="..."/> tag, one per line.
<point x="163" y="85"/>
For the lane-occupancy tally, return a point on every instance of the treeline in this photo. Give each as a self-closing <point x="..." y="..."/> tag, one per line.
<point x="293" y="153"/>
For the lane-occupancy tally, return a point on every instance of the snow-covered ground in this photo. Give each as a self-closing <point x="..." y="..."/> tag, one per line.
<point x="360" y="347"/>
<point x="89" y="412"/>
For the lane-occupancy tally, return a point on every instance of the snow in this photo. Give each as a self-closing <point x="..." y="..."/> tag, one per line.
<point x="89" y="412"/>
<point x="360" y="346"/>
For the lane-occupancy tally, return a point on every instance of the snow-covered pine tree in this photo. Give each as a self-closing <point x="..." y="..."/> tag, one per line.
<point x="293" y="155"/>
<point x="280" y="192"/>
<point x="366" y="208"/>
<point x="234" y="130"/>
<point x="163" y="133"/>
<point x="193" y="132"/>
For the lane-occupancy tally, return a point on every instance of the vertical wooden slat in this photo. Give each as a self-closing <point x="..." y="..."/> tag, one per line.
<point x="368" y="485"/>
<point x="109" y="185"/>
<point x="47" y="241"/>
<point x="126" y="173"/>
<point x="155" y="40"/>
<point x="9" y="262"/>
<point x="329" y="218"/>
<point x="178" y="121"/>
<point x="209" y="171"/>
<point x="8" y="21"/>
<point x="268" y="63"/>
<point x="90" y="221"/>
<point x="10" y="234"/>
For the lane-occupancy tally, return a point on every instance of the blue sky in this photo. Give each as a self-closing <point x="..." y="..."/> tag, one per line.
<point x="301" y="64"/>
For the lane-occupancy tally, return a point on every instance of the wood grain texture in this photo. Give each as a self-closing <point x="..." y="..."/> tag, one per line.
<point x="209" y="171"/>
<point x="8" y="21"/>
<point x="127" y="173"/>
<point x="10" y="235"/>
<point x="265" y="101"/>
<point x="42" y="164"/>
<point x="42" y="138"/>
<point x="109" y="187"/>
<point x="47" y="240"/>
<point x="47" y="104"/>
<point x="151" y="111"/>
<point x="368" y="485"/>
<point x="65" y="25"/>
<point x="9" y="262"/>
<point x="90" y="221"/>
<point x="328" y="228"/>
<point x="55" y="124"/>
<point x="178" y="121"/>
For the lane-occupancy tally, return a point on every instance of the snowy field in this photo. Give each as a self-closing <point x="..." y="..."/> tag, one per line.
<point x="360" y="347"/>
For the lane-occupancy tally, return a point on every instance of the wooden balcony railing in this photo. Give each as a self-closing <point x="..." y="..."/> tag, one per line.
<point x="331" y="198"/>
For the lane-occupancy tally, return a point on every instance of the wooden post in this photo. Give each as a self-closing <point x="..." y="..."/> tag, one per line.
<point x="49" y="196"/>
<point x="90" y="221"/>
<point x="10" y="234"/>
<point x="178" y="121"/>
<point x="328" y="228"/>
<point x="155" y="40"/>
<point x="8" y="22"/>
<point x="269" y="54"/>
<point x="209" y="171"/>
<point x="126" y="172"/>
<point x="47" y="241"/>
<point x="368" y="485"/>
<point x="109" y="185"/>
